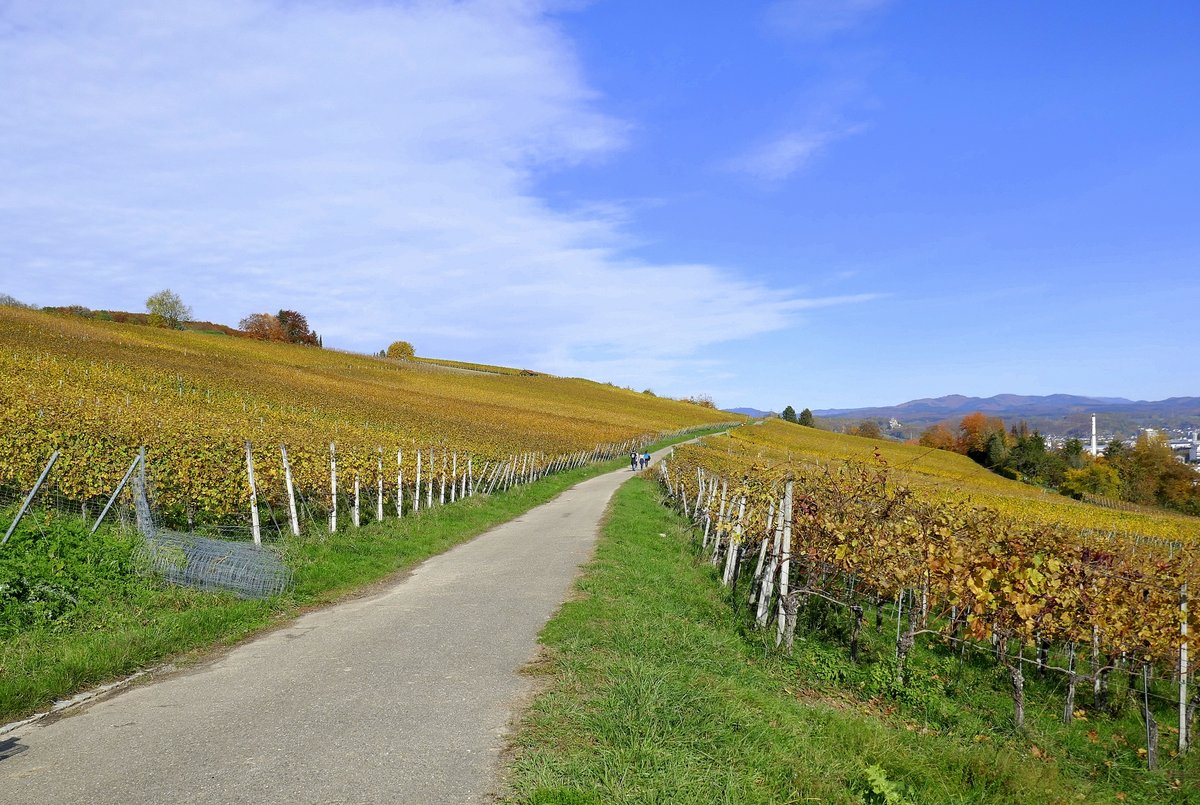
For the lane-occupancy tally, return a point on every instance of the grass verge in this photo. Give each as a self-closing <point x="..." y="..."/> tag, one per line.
<point x="655" y="691"/>
<point x="74" y="612"/>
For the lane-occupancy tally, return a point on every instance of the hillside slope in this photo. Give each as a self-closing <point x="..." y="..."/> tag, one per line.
<point x="97" y="390"/>
<point x="950" y="475"/>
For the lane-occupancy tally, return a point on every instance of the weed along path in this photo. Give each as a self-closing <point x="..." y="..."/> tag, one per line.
<point x="403" y="696"/>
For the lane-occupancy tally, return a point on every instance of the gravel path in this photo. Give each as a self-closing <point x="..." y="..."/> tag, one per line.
<point x="401" y="697"/>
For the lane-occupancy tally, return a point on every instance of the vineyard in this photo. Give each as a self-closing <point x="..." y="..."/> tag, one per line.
<point x="956" y="555"/>
<point x="97" y="391"/>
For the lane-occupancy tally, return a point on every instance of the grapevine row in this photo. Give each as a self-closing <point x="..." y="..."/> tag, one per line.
<point x="848" y="532"/>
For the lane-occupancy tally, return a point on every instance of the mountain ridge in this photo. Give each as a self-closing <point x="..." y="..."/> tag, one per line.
<point x="1052" y="412"/>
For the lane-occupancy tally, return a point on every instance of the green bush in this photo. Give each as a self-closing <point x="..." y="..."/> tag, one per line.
<point x="52" y="569"/>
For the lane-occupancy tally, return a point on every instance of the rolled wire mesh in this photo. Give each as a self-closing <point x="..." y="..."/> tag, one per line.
<point x="244" y="569"/>
<point x="241" y="568"/>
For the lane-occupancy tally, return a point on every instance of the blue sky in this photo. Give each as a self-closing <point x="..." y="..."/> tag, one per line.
<point x="806" y="202"/>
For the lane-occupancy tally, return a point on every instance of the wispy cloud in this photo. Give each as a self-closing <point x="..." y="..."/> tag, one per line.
<point x="820" y="19"/>
<point x="788" y="153"/>
<point x="370" y="164"/>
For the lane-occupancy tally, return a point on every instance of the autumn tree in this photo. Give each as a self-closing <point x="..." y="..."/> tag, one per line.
<point x="286" y="325"/>
<point x="789" y="414"/>
<point x="1151" y="475"/>
<point x="806" y="419"/>
<point x="939" y="437"/>
<point x="1094" y="479"/>
<point x="975" y="432"/>
<point x="295" y="328"/>
<point x="263" y="326"/>
<point x="167" y="309"/>
<point x="868" y="429"/>
<point x="402" y="350"/>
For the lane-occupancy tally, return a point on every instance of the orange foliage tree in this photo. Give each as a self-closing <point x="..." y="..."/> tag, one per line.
<point x="940" y="437"/>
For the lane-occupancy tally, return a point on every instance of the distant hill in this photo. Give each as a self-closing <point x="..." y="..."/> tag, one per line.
<point x="754" y="412"/>
<point x="1061" y="414"/>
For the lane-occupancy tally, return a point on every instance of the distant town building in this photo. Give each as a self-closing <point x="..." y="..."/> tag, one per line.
<point x="894" y="424"/>
<point x="1186" y="448"/>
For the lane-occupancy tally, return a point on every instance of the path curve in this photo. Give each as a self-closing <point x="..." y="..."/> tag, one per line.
<point x="401" y="697"/>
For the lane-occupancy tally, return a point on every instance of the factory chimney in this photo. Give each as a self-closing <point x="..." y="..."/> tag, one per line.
<point x="1094" y="451"/>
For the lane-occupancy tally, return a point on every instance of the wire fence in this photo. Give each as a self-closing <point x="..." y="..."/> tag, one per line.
<point x="184" y="545"/>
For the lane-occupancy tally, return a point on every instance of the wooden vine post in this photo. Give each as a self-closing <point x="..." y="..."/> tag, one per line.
<point x="254" y="526"/>
<point x="785" y="565"/>
<point x="379" y="487"/>
<point x="768" y="587"/>
<point x="1184" y="725"/>
<point x="756" y="580"/>
<point x="354" y="513"/>
<point x="720" y="522"/>
<point x="1016" y="678"/>
<point x="333" y="487"/>
<point x="1069" y="706"/>
<point x="293" y="520"/>
<point x="855" y="630"/>
<point x="416" y="502"/>
<point x="399" y="483"/>
<point x="442" y="492"/>
<point x="1148" y="718"/>
<point x="429" y="484"/>
<point x="735" y="542"/>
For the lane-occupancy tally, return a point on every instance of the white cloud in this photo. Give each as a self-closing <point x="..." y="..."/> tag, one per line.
<point x="369" y="164"/>
<point x="820" y="19"/>
<point x="784" y="155"/>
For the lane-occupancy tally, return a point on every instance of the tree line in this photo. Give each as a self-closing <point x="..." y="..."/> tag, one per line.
<point x="1145" y="473"/>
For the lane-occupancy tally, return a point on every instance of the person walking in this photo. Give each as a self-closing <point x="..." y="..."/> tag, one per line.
<point x="633" y="461"/>
<point x="646" y="459"/>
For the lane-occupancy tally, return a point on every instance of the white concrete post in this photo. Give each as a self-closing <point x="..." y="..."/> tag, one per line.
<point x="254" y="529"/>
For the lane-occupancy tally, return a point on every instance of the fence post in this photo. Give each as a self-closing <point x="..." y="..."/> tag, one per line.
<point x="399" y="483"/>
<point x="442" y="489"/>
<point x="293" y="520"/>
<point x="429" y="484"/>
<point x="379" y="487"/>
<point x="1184" y="726"/>
<point x="785" y="565"/>
<point x="756" y="580"/>
<point x="333" y="487"/>
<point x="29" y="498"/>
<point x="254" y="529"/>
<point x="416" y="507"/>
<point x="354" y="513"/>
<point x="720" y="522"/>
<point x="731" y="553"/>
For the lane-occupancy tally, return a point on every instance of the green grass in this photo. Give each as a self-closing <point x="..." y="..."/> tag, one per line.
<point x="92" y="618"/>
<point x="654" y="690"/>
